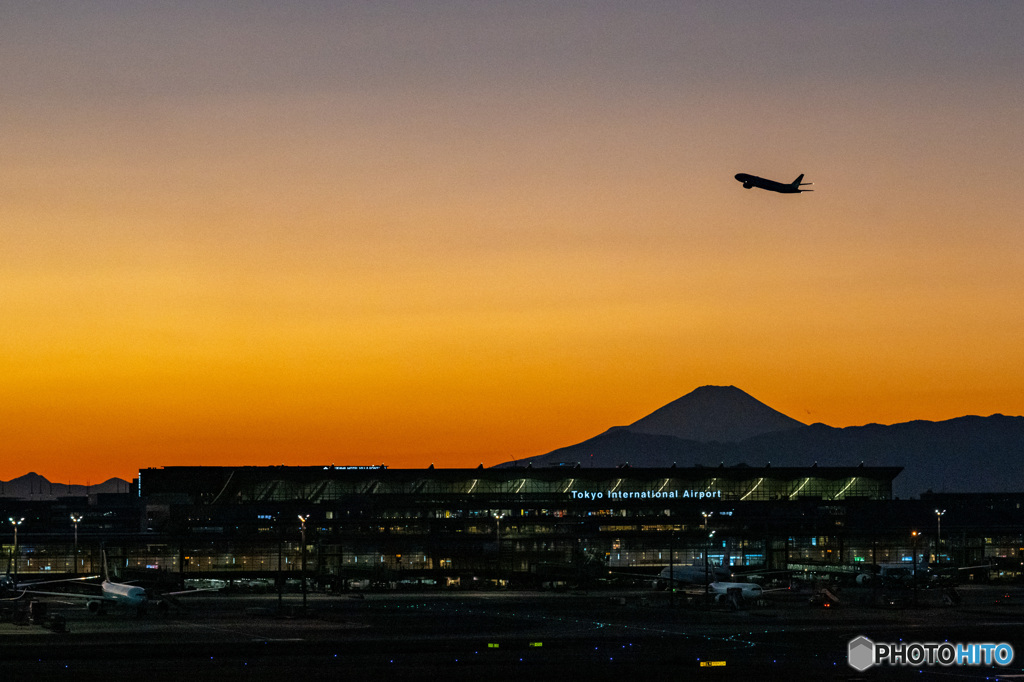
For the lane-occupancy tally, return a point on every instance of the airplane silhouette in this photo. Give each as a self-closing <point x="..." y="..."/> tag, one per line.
<point x="781" y="187"/>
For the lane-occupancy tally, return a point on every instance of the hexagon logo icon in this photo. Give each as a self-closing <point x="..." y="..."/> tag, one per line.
<point x="861" y="654"/>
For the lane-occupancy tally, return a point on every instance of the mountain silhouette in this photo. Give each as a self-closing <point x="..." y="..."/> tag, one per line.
<point x="32" y="486"/>
<point x="714" y="413"/>
<point x="968" y="454"/>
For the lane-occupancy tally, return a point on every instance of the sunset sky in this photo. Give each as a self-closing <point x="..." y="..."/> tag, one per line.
<point x="461" y="232"/>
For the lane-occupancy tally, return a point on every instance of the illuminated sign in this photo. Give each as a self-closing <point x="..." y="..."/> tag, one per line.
<point x="646" y="495"/>
<point x="373" y="467"/>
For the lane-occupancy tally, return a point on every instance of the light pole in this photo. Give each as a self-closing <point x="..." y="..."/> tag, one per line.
<point x="707" y="548"/>
<point x="302" y="519"/>
<point x="497" y="539"/>
<point x="913" y="534"/>
<point x="75" y="518"/>
<point x="938" y="532"/>
<point x="15" y="523"/>
<point x="707" y="568"/>
<point x="671" y="568"/>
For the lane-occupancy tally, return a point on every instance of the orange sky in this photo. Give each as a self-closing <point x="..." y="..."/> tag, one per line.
<point x="457" y="233"/>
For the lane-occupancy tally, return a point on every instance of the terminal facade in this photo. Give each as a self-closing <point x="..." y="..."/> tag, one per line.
<point x="525" y="526"/>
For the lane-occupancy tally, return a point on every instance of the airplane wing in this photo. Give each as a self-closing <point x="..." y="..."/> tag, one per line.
<point x="33" y="583"/>
<point x="198" y="589"/>
<point x="182" y="593"/>
<point x="69" y="595"/>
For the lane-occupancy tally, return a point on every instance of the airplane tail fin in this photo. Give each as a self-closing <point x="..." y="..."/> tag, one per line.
<point x="797" y="183"/>
<point x="106" y="571"/>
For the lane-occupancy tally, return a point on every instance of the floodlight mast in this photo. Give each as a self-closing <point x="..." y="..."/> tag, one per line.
<point x="75" y="518"/>
<point x="913" y="534"/>
<point x="302" y="520"/>
<point x="16" y="523"/>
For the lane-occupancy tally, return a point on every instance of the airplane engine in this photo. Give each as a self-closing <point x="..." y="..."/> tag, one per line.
<point x="95" y="606"/>
<point x="746" y="185"/>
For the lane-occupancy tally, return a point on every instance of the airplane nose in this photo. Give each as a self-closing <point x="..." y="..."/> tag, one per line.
<point x="739" y="176"/>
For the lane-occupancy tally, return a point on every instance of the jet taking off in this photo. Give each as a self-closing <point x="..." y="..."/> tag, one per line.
<point x="781" y="187"/>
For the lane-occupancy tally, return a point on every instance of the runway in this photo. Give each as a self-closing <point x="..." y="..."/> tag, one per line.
<point x="500" y="636"/>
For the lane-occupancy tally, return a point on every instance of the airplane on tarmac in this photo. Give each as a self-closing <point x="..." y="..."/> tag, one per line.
<point x="714" y="578"/>
<point x="694" y="574"/>
<point x="773" y="186"/>
<point x="118" y="594"/>
<point x="721" y="590"/>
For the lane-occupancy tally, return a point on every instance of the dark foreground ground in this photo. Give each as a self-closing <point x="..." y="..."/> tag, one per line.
<point x="625" y="635"/>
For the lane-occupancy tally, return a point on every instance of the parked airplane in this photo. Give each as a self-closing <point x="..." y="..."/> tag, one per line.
<point x="717" y="581"/>
<point x="694" y="574"/>
<point x="773" y="186"/>
<point x="720" y="586"/>
<point x="720" y="590"/>
<point x="120" y="594"/>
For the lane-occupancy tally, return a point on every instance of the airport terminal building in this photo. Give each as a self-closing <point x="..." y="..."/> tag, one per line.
<point x="522" y="525"/>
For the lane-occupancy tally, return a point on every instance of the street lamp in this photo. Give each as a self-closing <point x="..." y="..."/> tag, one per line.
<point x="302" y="519"/>
<point x="15" y="523"/>
<point x="497" y="539"/>
<point x="938" y="532"/>
<point x="913" y="534"/>
<point x="75" y="518"/>
<point x="707" y="548"/>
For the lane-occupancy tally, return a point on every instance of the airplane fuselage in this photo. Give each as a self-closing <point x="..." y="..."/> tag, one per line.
<point x="129" y="595"/>
<point x="747" y="590"/>
<point x="750" y="181"/>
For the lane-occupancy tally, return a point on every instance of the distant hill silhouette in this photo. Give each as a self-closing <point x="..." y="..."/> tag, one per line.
<point x="32" y="486"/>
<point x="967" y="454"/>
